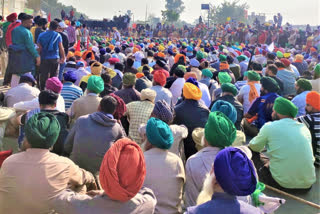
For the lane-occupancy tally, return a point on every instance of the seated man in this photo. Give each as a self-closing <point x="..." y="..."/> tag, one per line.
<point x="303" y="87"/>
<point x="164" y="170"/>
<point x="312" y="121"/>
<point x="128" y="93"/>
<point x="89" y="103"/>
<point x="51" y="173"/>
<point x="289" y="149"/>
<point x="232" y="175"/>
<point x="261" y="109"/>
<point x="70" y="92"/>
<point x="25" y="91"/>
<point x="218" y="133"/>
<point x="122" y="174"/>
<point x="92" y="135"/>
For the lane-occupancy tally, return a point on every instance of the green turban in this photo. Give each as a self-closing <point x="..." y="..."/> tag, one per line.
<point x="229" y="87"/>
<point x="270" y="84"/>
<point x="207" y="73"/>
<point x="253" y="76"/>
<point x="304" y="84"/>
<point x="222" y="58"/>
<point x="224" y="77"/>
<point x="159" y="133"/>
<point x="199" y="56"/>
<point x="285" y="107"/>
<point x="219" y="130"/>
<point x="182" y="68"/>
<point x="317" y="69"/>
<point x="95" y="84"/>
<point x="241" y="58"/>
<point x="279" y="54"/>
<point x="129" y="79"/>
<point x="42" y="130"/>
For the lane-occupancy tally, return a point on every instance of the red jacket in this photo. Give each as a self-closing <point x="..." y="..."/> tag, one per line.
<point x="12" y="26"/>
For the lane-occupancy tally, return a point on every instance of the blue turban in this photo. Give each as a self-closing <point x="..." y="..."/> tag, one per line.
<point x="170" y="51"/>
<point x="193" y="81"/>
<point x="163" y="111"/>
<point x="189" y="49"/>
<point x="70" y="76"/>
<point x="159" y="133"/>
<point x="235" y="172"/>
<point x="227" y="108"/>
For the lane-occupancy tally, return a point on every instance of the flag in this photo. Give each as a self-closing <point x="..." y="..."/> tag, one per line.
<point x="271" y="47"/>
<point x="78" y="46"/>
<point x="49" y="17"/>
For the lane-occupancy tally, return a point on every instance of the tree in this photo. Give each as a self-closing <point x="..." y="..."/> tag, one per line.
<point x="233" y="9"/>
<point x="173" y="10"/>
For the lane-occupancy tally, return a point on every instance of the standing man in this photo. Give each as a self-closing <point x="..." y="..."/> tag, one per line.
<point x="71" y="14"/>
<point x="84" y="35"/>
<point x="52" y="53"/>
<point x="65" y="43"/>
<point x="71" y="32"/>
<point x="22" y="50"/>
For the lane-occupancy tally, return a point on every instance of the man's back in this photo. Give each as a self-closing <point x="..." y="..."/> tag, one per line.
<point x="162" y="94"/>
<point x="49" y="41"/>
<point x="288" y="144"/>
<point x="164" y="167"/>
<point x="90" y="138"/>
<point x="85" y="105"/>
<point x="23" y="92"/>
<point x="30" y="179"/>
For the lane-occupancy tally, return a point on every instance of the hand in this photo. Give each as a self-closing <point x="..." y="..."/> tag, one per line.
<point x="93" y="193"/>
<point x="62" y="60"/>
<point x="38" y="61"/>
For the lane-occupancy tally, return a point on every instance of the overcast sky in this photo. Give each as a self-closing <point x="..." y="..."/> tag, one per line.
<point x="293" y="11"/>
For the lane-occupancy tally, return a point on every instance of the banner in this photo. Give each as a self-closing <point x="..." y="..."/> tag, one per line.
<point x="205" y="7"/>
<point x="28" y="11"/>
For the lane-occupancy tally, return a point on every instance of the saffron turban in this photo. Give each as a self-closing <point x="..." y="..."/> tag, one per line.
<point x="191" y="91"/>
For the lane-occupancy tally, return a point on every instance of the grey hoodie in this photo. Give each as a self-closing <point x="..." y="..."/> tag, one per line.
<point x="90" y="138"/>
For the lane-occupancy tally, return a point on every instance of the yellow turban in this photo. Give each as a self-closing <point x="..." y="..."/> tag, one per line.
<point x="191" y="91"/>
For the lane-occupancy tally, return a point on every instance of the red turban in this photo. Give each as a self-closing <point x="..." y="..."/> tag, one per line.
<point x="113" y="60"/>
<point x="286" y="62"/>
<point x="12" y="17"/>
<point x="160" y="77"/>
<point x="4" y="155"/>
<point x="121" y="107"/>
<point x="122" y="170"/>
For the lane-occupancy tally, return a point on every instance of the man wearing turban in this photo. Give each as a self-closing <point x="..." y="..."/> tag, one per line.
<point x="191" y="113"/>
<point x="315" y="82"/>
<point x="250" y="92"/>
<point x="128" y="93"/>
<point x="93" y="134"/>
<point x="122" y="175"/>
<point x="232" y="175"/>
<point x="138" y="112"/>
<point x="291" y="163"/>
<point x="52" y="84"/>
<point x="303" y="87"/>
<point x="159" y="81"/>
<point x="288" y="78"/>
<point x="70" y="92"/>
<point x="34" y="170"/>
<point x="218" y="133"/>
<point x="261" y="109"/>
<point x="310" y="119"/>
<point x="89" y="103"/>
<point x="164" y="170"/>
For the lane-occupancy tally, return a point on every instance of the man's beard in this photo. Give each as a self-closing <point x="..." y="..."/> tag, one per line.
<point x="275" y="117"/>
<point x="207" y="189"/>
<point x="308" y="112"/>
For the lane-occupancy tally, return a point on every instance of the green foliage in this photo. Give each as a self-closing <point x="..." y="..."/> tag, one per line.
<point x="173" y="10"/>
<point x="232" y="9"/>
<point x="54" y="7"/>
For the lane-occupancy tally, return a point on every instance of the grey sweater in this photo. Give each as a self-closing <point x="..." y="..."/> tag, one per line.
<point x="90" y="138"/>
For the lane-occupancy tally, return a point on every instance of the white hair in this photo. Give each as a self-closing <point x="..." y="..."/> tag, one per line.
<point x="207" y="189"/>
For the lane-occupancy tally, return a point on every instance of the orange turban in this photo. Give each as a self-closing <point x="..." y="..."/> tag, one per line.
<point x="191" y="91"/>
<point x="139" y="75"/>
<point x="134" y="50"/>
<point x="70" y="54"/>
<point x="190" y="74"/>
<point x="160" y="54"/>
<point x="122" y="170"/>
<point x="313" y="99"/>
<point x="78" y="53"/>
<point x="178" y="56"/>
<point x="299" y="58"/>
<point x="224" y="66"/>
<point x="160" y="77"/>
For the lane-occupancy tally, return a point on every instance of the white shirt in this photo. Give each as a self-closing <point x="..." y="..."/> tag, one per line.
<point x="206" y="98"/>
<point x="176" y="89"/>
<point x="33" y="104"/>
<point x="22" y="92"/>
<point x="244" y="93"/>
